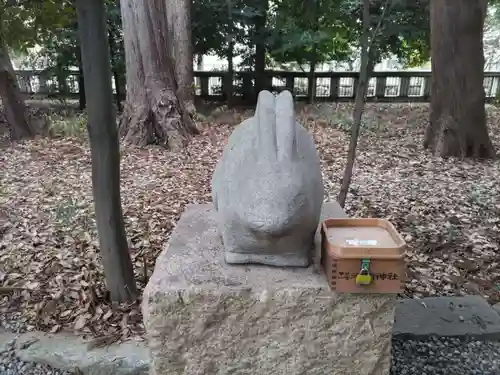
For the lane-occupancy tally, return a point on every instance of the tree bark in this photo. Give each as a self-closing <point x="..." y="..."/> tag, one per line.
<point x="311" y="85"/>
<point x="16" y="112"/>
<point x="118" y="269"/>
<point x="359" y="103"/>
<point x="116" y="75"/>
<point x="199" y="62"/>
<point x="230" y="55"/>
<point x="81" y="90"/>
<point x="260" y="46"/>
<point x="152" y="113"/>
<point x="457" y="125"/>
<point x="62" y="84"/>
<point x="179" y="26"/>
<point x="81" y="82"/>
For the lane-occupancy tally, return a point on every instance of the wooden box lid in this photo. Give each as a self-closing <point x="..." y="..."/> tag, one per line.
<point x="354" y="238"/>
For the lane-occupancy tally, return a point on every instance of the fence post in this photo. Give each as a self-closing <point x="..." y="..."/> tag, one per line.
<point x="247" y="87"/>
<point x="404" y="87"/>
<point x="204" y="87"/>
<point x="334" y="88"/>
<point x="290" y="83"/>
<point x="223" y="83"/>
<point x="268" y="81"/>
<point x="62" y="81"/>
<point x="42" y="83"/>
<point x="381" y="84"/>
<point x="23" y="81"/>
<point x="497" y="91"/>
<point x="488" y="83"/>
<point x="355" y="82"/>
<point x="427" y="87"/>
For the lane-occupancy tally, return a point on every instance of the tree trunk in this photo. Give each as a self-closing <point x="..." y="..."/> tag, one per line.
<point x="359" y="103"/>
<point x="179" y="26"/>
<point x="368" y="60"/>
<point x="457" y="125"/>
<point x="62" y="84"/>
<point x="119" y="61"/>
<point x="152" y="113"/>
<point x="118" y="269"/>
<point x="311" y="84"/>
<point x="116" y="75"/>
<point x="119" y="90"/>
<point x="81" y="90"/>
<point x="81" y="82"/>
<point x="199" y="62"/>
<point x="16" y="112"/>
<point x="230" y="55"/>
<point x="260" y="46"/>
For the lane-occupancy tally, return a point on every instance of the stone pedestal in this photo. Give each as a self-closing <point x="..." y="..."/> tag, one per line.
<point x="203" y="316"/>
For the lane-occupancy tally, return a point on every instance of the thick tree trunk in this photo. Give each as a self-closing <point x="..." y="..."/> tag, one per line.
<point x="458" y="118"/>
<point x="260" y="46"/>
<point x="152" y="113"/>
<point x="15" y="109"/>
<point x="118" y="269"/>
<point x="179" y="26"/>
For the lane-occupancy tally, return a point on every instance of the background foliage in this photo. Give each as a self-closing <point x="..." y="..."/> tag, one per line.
<point x="296" y="31"/>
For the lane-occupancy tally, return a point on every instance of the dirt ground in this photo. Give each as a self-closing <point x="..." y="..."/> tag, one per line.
<point x="50" y="271"/>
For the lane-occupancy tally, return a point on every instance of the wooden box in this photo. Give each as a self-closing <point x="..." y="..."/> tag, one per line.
<point x="363" y="256"/>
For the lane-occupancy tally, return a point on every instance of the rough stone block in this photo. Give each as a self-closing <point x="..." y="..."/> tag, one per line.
<point x="467" y="316"/>
<point x="267" y="187"/>
<point x="67" y="353"/>
<point x="204" y="316"/>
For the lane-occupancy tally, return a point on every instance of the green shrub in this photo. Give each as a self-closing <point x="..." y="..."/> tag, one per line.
<point x="66" y="210"/>
<point x="74" y="126"/>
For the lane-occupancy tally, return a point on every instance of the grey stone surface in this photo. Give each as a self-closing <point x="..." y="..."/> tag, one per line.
<point x="496" y="306"/>
<point x="268" y="188"/>
<point x="70" y="353"/>
<point x="11" y="364"/>
<point x="204" y="316"/>
<point x="469" y="316"/>
<point x="5" y="339"/>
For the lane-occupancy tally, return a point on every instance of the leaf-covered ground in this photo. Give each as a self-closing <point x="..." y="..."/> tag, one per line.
<point x="50" y="271"/>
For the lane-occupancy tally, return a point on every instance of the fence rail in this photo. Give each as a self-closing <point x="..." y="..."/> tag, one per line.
<point x="401" y="86"/>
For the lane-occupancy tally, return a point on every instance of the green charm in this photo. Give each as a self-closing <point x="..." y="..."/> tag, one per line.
<point x="364" y="277"/>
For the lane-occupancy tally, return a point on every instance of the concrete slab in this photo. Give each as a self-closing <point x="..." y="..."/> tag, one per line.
<point x="468" y="316"/>
<point x="496" y="306"/>
<point x="6" y="340"/>
<point x="67" y="352"/>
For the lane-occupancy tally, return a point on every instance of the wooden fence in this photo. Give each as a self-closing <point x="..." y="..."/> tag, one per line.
<point x="397" y="86"/>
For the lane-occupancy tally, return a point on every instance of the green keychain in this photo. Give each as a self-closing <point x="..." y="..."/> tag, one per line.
<point x="364" y="277"/>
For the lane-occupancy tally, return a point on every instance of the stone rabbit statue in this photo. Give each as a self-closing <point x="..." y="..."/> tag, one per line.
<point x="267" y="187"/>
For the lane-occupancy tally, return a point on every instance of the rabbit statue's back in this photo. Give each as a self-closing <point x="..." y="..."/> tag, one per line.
<point x="267" y="187"/>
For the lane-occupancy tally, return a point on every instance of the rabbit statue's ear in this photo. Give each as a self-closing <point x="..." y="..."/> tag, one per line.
<point x="265" y="116"/>
<point x="286" y="136"/>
